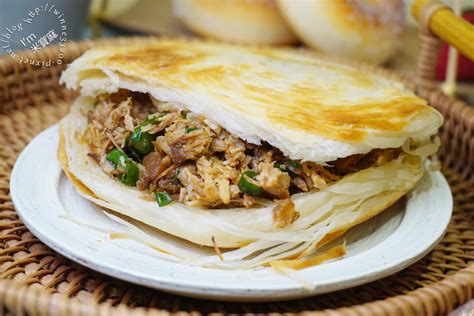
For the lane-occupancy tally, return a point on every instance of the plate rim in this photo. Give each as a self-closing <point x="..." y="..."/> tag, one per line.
<point x="214" y="291"/>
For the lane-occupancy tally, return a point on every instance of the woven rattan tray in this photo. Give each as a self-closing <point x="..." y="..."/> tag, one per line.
<point x="35" y="280"/>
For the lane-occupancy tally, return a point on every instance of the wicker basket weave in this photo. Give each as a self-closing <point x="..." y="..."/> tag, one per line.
<point x="35" y="280"/>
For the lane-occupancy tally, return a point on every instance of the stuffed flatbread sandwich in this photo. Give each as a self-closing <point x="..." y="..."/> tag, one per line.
<point x="270" y="152"/>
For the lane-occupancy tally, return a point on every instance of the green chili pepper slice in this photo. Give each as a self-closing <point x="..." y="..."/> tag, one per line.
<point x="130" y="177"/>
<point x="190" y="129"/>
<point x="135" y="155"/>
<point x="288" y="166"/>
<point x="118" y="158"/>
<point x="247" y="185"/>
<point x="140" y="143"/>
<point x="163" y="198"/>
<point x="114" y="157"/>
<point x="136" y="135"/>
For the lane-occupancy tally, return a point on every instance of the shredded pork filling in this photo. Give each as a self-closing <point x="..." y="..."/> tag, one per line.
<point x="179" y="156"/>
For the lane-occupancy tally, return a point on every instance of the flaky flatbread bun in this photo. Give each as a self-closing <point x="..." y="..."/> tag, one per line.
<point x="237" y="21"/>
<point x="310" y="109"/>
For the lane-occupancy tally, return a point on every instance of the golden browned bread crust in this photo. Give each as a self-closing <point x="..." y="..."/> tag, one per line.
<point x="238" y="21"/>
<point x="310" y="109"/>
<point x="359" y="29"/>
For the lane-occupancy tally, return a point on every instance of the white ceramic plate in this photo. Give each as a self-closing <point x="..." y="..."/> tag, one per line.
<point x="46" y="201"/>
